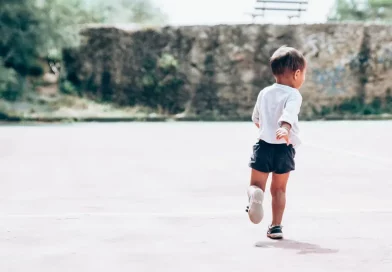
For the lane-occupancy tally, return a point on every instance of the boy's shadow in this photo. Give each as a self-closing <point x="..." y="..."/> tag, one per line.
<point x="303" y="248"/>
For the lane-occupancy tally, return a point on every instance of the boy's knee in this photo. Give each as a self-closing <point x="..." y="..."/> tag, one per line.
<point x="276" y="192"/>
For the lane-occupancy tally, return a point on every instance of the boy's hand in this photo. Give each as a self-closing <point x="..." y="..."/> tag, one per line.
<point x="283" y="133"/>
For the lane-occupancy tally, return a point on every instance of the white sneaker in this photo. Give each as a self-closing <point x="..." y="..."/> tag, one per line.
<point x="255" y="208"/>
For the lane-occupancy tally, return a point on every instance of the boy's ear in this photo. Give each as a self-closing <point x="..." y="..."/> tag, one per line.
<point x="297" y="73"/>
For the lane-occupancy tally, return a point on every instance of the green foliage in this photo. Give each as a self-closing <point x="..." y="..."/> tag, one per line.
<point x="34" y="31"/>
<point x="68" y="87"/>
<point x="162" y="84"/>
<point x="61" y="21"/>
<point x="361" y="10"/>
<point x="356" y="106"/>
<point x="388" y="101"/>
<point x="352" y="105"/>
<point x="8" y="83"/>
<point x="206" y="97"/>
<point x="167" y="62"/>
<point x="325" y="111"/>
<point x="19" y="31"/>
<point x="126" y="11"/>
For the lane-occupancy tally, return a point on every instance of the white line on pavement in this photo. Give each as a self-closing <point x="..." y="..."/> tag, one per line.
<point x="182" y="214"/>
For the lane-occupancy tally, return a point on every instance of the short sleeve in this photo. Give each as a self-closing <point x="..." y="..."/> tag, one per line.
<point x="291" y="109"/>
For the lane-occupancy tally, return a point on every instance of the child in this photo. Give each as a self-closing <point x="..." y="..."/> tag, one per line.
<point x="276" y="116"/>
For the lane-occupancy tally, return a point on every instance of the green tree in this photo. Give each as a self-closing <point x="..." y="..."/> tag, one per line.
<point x="19" y="29"/>
<point x="32" y="31"/>
<point x="126" y="11"/>
<point x="361" y="10"/>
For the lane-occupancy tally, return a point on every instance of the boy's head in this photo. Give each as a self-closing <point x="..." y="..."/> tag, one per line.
<point x="288" y="66"/>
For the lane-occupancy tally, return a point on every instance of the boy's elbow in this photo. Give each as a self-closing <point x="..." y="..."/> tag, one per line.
<point x="256" y="121"/>
<point x="288" y="120"/>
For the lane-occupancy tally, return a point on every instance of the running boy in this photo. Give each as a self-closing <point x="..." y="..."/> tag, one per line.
<point x="276" y="116"/>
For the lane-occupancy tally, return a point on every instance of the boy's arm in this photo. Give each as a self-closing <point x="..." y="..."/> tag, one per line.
<point x="291" y="111"/>
<point x="289" y="116"/>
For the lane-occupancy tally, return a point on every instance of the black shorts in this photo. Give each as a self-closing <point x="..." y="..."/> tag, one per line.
<point x="275" y="158"/>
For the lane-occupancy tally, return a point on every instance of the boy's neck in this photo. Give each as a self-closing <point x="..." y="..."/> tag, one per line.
<point x="285" y="81"/>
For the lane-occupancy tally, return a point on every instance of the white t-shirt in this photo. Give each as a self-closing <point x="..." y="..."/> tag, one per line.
<point x="276" y="104"/>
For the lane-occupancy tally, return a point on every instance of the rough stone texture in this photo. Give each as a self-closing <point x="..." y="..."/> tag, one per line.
<point x="380" y="44"/>
<point x="218" y="70"/>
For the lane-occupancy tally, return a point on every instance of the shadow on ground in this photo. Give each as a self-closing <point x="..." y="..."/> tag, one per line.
<point x="303" y="248"/>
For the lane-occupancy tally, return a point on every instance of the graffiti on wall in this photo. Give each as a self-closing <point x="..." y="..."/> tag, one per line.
<point x="331" y="81"/>
<point x="384" y="58"/>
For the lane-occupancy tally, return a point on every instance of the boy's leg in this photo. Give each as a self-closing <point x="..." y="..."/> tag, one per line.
<point x="283" y="164"/>
<point x="260" y="162"/>
<point x="258" y="179"/>
<point x="278" y="192"/>
<point x="256" y="190"/>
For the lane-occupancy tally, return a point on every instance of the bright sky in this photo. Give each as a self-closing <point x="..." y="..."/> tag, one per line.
<point x="201" y="12"/>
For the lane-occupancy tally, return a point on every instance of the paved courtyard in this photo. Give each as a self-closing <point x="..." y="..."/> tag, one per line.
<point x="171" y="197"/>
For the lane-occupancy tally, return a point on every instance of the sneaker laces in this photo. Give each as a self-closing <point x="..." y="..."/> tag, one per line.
<point x="273" y="226"/>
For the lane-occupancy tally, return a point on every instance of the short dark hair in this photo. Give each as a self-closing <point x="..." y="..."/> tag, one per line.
<point x="287" y="58"/>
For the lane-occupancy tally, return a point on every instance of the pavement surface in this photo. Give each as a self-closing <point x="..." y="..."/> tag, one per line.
<point x="172" y="197"/>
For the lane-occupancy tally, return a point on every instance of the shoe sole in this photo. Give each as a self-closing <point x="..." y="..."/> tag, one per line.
<point x="275" y="236"/>
<point x="256" y="212"/>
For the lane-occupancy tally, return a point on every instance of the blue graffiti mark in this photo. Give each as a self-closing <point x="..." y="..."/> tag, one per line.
<point x="331" y="80"/>
<point x="385" y="58"/>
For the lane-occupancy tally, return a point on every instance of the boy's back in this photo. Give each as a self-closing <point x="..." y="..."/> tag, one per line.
<point x="276" y="104"/>
<point x="276" y="115"/>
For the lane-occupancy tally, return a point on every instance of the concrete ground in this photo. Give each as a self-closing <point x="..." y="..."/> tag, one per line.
<point x="171" y="197"/>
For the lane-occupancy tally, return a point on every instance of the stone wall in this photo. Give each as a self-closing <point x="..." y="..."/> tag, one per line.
<point x="215" y="71"/>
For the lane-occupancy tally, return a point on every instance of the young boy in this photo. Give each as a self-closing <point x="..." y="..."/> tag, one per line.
<point x="276" y="116"/>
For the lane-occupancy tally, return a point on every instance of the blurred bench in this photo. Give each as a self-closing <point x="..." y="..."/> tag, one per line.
<point x="280" y="6"/>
